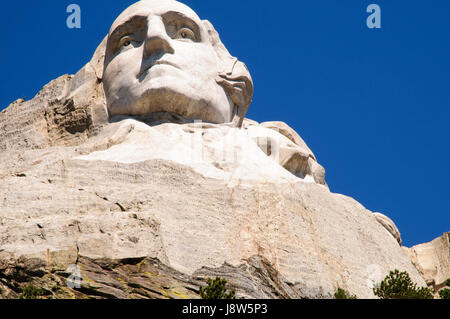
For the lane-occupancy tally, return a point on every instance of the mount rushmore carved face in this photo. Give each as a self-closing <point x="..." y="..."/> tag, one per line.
<point x="160" y="57"/>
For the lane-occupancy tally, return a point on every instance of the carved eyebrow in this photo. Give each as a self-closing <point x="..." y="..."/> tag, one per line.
<point x="139" y="22"/>
<point x="180" y="18"/>
<point x="136" y="22"/>
<point x="133" y="23"/>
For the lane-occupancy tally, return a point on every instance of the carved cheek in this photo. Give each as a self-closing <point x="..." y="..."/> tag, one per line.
<point x="210" y="61"/>
<point x="195" y="58"/>
<point x="123" y="68"/>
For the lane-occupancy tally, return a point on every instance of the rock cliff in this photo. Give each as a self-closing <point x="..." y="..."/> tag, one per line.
<point x="151" y="207"/>
<point x="433" y="261"/>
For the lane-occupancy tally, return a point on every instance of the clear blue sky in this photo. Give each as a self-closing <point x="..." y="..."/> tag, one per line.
<point x="373" y="105"/>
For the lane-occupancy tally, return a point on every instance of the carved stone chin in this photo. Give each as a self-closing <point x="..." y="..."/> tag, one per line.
<point x="160" y="57"/>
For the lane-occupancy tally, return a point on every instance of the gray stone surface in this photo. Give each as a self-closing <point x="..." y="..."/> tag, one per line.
<point x="79" y="186"/>
<point x="389" y="225"/>
<point x="54" y="197"/>
<point x="432" y="259"/>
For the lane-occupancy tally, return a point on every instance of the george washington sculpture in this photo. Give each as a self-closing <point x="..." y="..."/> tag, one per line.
<point x="160" y="57"/>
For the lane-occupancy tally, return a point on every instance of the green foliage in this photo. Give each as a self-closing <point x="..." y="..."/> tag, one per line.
<point x="216" y="289"/>
<point x="30" y="292"/>
<point x="55" y="288"/>
<point x="342" y="294"/>
<point x="444" y="293"/>
<point x="398" y="285"/>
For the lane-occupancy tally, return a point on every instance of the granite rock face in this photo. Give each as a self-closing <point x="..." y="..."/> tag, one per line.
<point x="114" y="196"/>
<point x="432" y="259"/>
<point x="389" y="225"/>
<point x="132" y="278"/>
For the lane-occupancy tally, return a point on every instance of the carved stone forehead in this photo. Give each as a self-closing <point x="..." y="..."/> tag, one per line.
<point x="158" y="7"/>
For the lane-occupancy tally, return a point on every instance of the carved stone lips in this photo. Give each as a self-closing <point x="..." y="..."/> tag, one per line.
<point x="158" y="62"/>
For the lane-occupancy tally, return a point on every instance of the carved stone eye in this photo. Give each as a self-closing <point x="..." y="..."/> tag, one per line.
<point x="125" y="41"/>
<point x="186" y="33"/>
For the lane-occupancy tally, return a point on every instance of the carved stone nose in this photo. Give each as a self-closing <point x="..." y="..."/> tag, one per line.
<point x="157" y="40"/>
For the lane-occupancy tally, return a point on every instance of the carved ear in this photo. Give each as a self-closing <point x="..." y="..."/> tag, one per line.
<point x="233" y="75"/>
